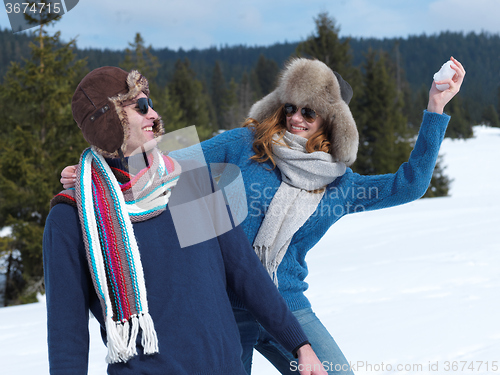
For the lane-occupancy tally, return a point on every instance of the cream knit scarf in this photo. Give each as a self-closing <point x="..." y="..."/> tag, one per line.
<point x="294" y="201"/>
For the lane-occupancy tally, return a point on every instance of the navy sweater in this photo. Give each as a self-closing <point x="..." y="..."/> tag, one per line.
<point x="186" y="291"/>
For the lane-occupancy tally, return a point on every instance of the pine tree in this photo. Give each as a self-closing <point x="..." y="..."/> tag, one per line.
<point x="218" y="94"/>
<point x="498" y="100"/>
<point x="169" y="109"/>
<point x="266" y="72"/>
<point x="140" y="57"/>
<point x="384" y="141"/>
<point x="255" y="86"/>
<point x="415" y="103"/>
<point x="460" y="122"/>
<point x="325" y="45"/>
<point x="490" y="116"/>
<point x="38" y="139"/>
<point x="189" y="93"/>
<point x="245" y="96"/>
<point x="440" y="183"/>
<point x="233" y="115"/>
<point x="11" y="268"/>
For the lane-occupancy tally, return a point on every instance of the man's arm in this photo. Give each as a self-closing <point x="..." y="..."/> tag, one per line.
<point x="67" y="284"/>
<point x="252" y="284"/>
<point x="215" y="150"/>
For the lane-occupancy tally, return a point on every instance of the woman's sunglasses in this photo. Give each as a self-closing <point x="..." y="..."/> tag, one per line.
<point x="308" y="114"/>
<point x="143" y="105"/>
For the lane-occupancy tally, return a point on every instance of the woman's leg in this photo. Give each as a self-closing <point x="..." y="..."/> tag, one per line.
<point x="321" y="341"/>
<point x="275" y="353"/>
<point x="249" y="334"/>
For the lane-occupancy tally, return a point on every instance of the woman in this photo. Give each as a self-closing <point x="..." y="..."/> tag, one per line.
<point x="294" y="153"/>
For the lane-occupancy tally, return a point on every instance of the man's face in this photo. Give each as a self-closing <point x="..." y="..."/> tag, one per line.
<point x="140" y="126"/>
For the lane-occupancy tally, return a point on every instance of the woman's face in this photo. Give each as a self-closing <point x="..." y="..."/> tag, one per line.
<point x="297" y="124"/>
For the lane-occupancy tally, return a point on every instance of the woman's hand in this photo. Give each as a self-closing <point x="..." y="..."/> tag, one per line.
<point x="68" y="177"/>
<point x="438" y="99"/>
<point x="309" y="363"/>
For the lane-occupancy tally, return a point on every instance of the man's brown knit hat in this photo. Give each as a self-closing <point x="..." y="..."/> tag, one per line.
<point x="98" y="107"/>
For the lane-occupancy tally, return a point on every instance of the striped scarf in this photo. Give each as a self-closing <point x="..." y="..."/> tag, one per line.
<point x="107" y="209"/>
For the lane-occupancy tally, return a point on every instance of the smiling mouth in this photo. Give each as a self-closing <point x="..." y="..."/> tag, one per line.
<point x="298" y="128"/>
<point x="148" y="128"/>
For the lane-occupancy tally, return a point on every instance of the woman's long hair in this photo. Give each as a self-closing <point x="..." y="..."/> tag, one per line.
<point x="276" y="124"/>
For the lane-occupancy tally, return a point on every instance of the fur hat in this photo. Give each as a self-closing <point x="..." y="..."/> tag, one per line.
<point x="312" y="84"/>
<point x="97" y="107"/>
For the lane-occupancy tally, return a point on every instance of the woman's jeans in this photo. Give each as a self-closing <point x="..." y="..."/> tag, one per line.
<point x="253" y="335"/>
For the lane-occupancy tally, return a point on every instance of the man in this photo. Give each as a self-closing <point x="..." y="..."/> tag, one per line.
<point x="112" y="246"/>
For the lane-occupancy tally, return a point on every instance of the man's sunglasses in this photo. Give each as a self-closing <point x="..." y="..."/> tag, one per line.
<point x="308" y="114"/>
<point x="143" y="105"/>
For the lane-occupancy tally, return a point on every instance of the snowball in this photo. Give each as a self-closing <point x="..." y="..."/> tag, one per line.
<point x="446" y="72"/>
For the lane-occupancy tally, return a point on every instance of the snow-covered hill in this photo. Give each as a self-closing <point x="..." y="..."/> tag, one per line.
<point x="413" y="289"/>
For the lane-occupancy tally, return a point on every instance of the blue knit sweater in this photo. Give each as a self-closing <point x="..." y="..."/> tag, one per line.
<point x="349" y="193"/>
<point x="186" y="291"/>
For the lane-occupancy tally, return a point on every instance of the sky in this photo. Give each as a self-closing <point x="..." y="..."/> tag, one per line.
<point x="202" y="24"/>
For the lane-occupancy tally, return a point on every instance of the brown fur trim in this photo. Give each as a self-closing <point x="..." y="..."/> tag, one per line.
<point x="137" y="83"/>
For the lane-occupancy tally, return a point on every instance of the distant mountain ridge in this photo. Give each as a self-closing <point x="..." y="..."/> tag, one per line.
<point x="419" y="57"/>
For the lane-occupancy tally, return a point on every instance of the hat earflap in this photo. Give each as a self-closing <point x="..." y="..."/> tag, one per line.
<point x="344" y="138"/>
<point x="265" y="107"/>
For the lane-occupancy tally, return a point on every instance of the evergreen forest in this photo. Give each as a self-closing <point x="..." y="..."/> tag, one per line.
<point x="213" y="89"/>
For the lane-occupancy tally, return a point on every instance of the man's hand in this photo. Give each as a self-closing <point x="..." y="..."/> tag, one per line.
<point x="68" y="177"/>
<point x="309" y="363"/>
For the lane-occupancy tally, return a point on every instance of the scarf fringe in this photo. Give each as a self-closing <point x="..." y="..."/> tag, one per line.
<point x="149" y="339"/>
<point x="122" y="337"/>
<point x="134" y="331"/>
<point x="271" y="265"/>
<point x="115" y="342"/>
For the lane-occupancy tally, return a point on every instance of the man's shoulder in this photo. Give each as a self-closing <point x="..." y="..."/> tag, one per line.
<point x="195" y="181"/>
<point x="63" y="211"/>
<point x="65" y="196"/>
